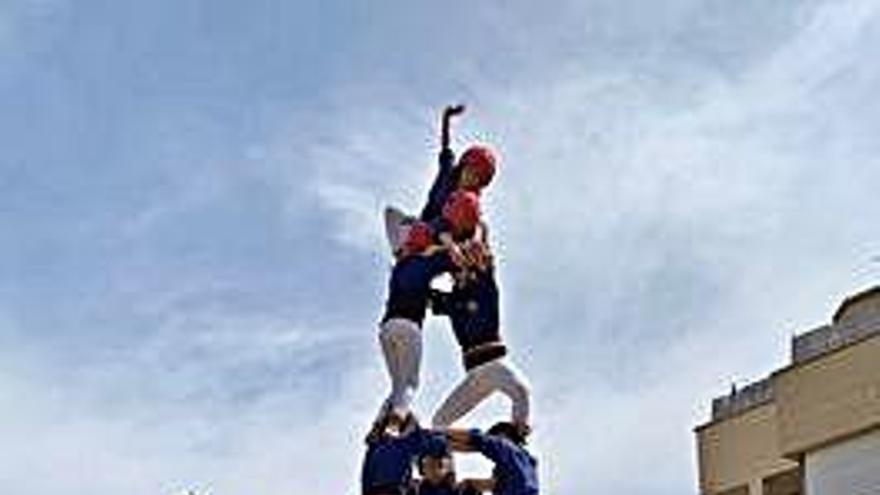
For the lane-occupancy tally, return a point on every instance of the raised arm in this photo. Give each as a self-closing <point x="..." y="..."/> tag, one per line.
<point x="448" y="113"/>
<point x="444" y="182"/>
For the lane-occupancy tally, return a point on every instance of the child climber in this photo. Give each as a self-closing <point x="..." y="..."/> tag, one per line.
<point x="454" y="199"/>
<point x="405" y="308"/>
<point x="473" y="311"/>
<point x="515" y="471"/>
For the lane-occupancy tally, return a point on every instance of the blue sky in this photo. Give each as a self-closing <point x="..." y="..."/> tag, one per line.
<point x="192" y="257"/>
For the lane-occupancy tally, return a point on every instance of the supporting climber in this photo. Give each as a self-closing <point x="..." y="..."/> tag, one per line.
<point x="473" y="311"/>
<point x="515" y="471"/>
<point x="437" y="470"/>
<point x="391" y="450"/>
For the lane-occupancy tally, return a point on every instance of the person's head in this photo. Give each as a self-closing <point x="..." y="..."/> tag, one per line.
<point x="418" y="238"/>
<point x="437" y="470"/>
<point x="476" y="168"/>
<point x="436" y="465"/>
<point x="462" y="211"/>
<point x="510" y="431"/>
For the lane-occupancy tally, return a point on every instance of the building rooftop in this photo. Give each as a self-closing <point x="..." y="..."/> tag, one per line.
<point x="739" y="401"/>
<point x="857" y="318"/>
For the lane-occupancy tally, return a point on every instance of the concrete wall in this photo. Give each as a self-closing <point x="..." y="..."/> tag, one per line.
<point x="829" y="399"/>
<point x="741" y="450"/>
<point x="828" y="396"/>
<point x="857" y="318"/>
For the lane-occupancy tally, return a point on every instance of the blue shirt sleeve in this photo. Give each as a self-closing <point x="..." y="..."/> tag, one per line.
<point x="495" y="449"/>
<point x="413" y="441"/>
<point x="441" y="188"/>
<point x="425" y="442"/>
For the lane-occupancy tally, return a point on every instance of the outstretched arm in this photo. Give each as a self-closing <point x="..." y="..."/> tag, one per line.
<point x="474" y="440"/>
<point x="443" y="183"/>
<point x="448" y="113"/>
<point x="459" y="440"/>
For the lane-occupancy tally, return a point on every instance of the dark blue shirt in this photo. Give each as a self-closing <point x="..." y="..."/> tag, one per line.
<point x="444" y="183"/>
<point x="388" y="461"/>
<point x="410" y="285"/>
<point x="472" y="309"/>
<point x="515" y="470"/>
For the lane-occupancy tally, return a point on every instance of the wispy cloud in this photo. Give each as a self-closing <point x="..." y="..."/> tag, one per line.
<point x="639" y="236"/>
<point x="670" y="189"/>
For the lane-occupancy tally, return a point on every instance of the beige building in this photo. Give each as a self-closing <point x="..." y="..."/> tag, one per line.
<point x="810" y="428"/>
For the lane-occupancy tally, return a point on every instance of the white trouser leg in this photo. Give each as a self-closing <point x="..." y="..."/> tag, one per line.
<point x="479" y="383"/>
<point x="515" y="386"/>
<point x="402" y="346"/>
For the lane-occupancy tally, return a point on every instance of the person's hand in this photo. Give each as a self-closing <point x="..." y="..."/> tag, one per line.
<point x="523" y="429"/>
<point x="457" y="255"/>
<point x="448" y="113"/>
<point x="477" y="254"/>
<point x="453" y="110"/>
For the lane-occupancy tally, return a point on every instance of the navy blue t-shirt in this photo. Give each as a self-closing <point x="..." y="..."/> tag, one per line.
<point x="472" y="308"/>
<point x="515" y="470"/>
<point x="410" y="285"/>
<point x="388" y="461"/>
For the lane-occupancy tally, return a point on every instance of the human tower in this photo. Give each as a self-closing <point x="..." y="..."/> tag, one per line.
<point x="449" y="236"/>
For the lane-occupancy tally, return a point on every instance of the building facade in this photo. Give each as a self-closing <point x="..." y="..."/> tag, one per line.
<point x="811" y="427"/>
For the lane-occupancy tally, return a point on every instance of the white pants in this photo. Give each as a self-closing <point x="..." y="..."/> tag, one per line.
<point x="497" y="375"/>
<point x="401" y="342"/>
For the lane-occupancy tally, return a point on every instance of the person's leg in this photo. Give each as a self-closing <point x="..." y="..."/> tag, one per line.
<point x="411" y="365"/>
<point x="463" y="398"/>
<point x="508" y="379"/>
<point x="402" y="346"/>
<point x="388" y="343"/>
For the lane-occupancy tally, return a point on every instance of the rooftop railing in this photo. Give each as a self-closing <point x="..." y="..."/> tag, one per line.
<point x="741" y="400"/>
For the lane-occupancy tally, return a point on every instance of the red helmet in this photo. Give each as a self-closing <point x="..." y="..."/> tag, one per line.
<point x="418" y="239"/>
<point x="462" y="210"/>
<point x="482" y="161"/>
